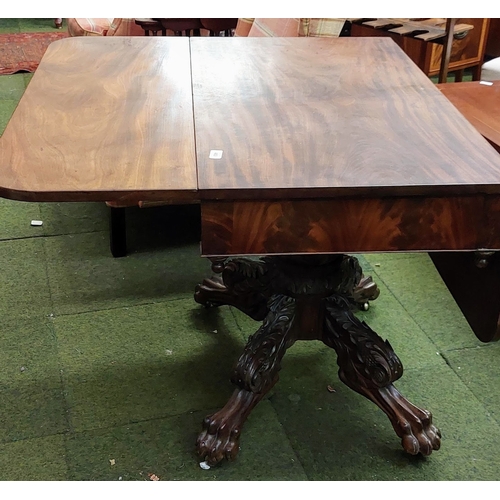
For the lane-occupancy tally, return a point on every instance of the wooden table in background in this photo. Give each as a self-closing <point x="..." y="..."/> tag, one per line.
<point x="302" y="151"/>
<point x="474" y="283"/>
<point x="480" y="104"/>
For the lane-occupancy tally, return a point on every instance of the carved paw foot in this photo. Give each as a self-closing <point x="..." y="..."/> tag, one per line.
<point x="218" y="440"/>
<point x="369" y="366"/>
<point x="211" y="293"/>
<point x="220" y="436"/>
<point x="413" y="425"/>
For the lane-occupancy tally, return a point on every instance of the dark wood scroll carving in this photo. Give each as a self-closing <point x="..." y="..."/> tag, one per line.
<point x="305" y="298"/>
<point x="368" y="365"/>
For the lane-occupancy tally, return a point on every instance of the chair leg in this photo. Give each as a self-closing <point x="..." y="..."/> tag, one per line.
<point x="117" y="232"/>
<point x="445" y="58"/>
<point x="476" y="73"/>
<point x="459" y="75"/>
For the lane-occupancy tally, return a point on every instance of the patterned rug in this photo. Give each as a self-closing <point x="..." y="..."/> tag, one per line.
<point x="24" y="51"/>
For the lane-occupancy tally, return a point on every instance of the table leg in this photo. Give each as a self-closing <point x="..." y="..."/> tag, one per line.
<point x="117" y="231"/>
<point x="473" y="279"/>
<point x="305" y="298"/>
<point x="255" y="374"/>
<point x="368" y="365"/>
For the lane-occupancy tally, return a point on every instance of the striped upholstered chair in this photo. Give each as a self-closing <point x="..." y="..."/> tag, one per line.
<point x="100" y="26"/>
<point x="289" y="27"/>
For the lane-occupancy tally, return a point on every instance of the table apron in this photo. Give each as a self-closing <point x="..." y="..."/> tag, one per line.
<point x="354" y="225"/>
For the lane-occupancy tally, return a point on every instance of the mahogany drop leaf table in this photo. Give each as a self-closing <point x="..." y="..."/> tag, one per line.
<point x="302" y="153"/>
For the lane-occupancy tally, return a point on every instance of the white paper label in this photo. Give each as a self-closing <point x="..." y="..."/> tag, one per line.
<point x="215" y="154"/>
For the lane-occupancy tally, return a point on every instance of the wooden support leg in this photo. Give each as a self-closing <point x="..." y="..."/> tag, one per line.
<point x="473" y="279"/>
<point x="476" y="73"/>
<point x="255" y="374"/>
<point x="459" y="75"/>
<point x="368" y="365"/>
<point x="117" y="232"/>
<point x="305" y="298"/>
<point x="445" y="58"/>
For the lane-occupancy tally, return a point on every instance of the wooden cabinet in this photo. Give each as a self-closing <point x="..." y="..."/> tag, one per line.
<point x="493" y="40"/>
<point x="467" y="50"/>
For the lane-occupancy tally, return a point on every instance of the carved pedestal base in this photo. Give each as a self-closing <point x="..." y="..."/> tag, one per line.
<point x="305" y="298"/>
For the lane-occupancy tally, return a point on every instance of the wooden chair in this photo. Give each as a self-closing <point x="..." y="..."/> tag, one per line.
<point x="151" y="25"/>
<point x="182" y="26"/>
<point x="216" y="27"/>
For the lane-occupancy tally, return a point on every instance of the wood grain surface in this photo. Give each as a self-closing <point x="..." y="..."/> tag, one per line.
<point x="295" y="118"/>
<point x="309" y="117"/>
<point x="347" y="225"/>
<point x="479" y="103"/>
<point x="104" y="119"/>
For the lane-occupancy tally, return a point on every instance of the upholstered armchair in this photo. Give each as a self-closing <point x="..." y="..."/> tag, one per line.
<point x="490" y="70"/>
<point x="312" y="27"/>
<point x="98" y="26"/>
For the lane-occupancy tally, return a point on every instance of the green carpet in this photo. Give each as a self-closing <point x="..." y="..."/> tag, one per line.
<point x="108" y="366"/>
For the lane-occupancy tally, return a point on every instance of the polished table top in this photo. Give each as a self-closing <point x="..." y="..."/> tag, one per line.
<point x="263" y="131"/>
<point x="479" y="103"/>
